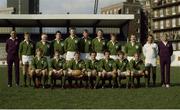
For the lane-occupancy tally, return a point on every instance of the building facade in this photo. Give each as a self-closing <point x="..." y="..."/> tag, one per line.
<point x="24" y="6"/>
<point x="138" y="26"/>
<point x="166" y="18"/>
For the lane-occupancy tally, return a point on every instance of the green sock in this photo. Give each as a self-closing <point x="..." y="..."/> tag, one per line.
<point x="44" y="80"/>
<point x="63" y="80"/>
<point x="146" y="80"/>
<point x="119" y="81"/>
<point x="127" y="81"/>
<point x="97" y="81"/>
<point x="114" y="81"/>
<point x="25" y="77"/>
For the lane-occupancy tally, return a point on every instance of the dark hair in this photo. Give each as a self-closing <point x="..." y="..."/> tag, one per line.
<point x="39" y="50"/>
<point x="113" y="34"/>
<point x="72" y="28"/>
<point x="77" y="52"/>
<point x="56" y="51"/>
<point x="137" y="53"/>
<point x="86" y="31"/>
<point x="26" y="33"/>
<point x="43" y="34"/>
<point x="93" y="52"/>
<point x="120" y="53"/>
<point x="150" y="35"/>
<point x="106" y="51"/>
<point x="100" y="30"/>
<point x="132" y="35"/>
<point x="58" y="32"/>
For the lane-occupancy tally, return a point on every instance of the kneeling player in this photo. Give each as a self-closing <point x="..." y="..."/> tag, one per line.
<point x="76" y="68"/>
<point x="123" y="70"/>
<point x="39" y="68"/>
<point x="138" y="69"/>
<point x="91" y="68"/>
<point x="107" y="69"/>
<point x="57" y="69"/>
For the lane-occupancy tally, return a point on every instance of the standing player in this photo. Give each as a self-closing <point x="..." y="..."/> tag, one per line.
<point x="85" y="45"/>
<point x="39" y="68"/>
<point x="26" y="53"/>
<point x="132" y="47"/>
<point x="138" y="70"/>
<point x="107" y="69"/>
<point x="99" y="45"/>
<point x="12" y="48"/>
<point x="57" y="65"/>
<point x="123" y="69"/>
<point x="150" y="51"/>
<point x="91" y="68"/>
<point x="44" y="45"/>
<point x="76" y="68"/>
<point x="113" y="46"/>
<point x="71" y="44"/>
<point x="57" y="44"/>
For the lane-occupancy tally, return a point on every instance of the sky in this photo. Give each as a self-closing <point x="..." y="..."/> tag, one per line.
<point x="72" y="6"/>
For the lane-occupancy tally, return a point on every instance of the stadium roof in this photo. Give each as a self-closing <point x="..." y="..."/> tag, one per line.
<point x="64" y="20"/>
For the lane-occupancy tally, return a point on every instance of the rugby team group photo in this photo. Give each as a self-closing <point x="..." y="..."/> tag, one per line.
<point x="87" y="62"/>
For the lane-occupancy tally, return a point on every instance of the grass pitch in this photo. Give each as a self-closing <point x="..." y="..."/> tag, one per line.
<point x="76" y="98"/>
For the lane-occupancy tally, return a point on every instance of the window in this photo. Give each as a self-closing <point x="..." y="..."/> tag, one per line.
<point x="138" y="11"/>
<point x="5" y="30"/>
<point x="107" y="12"/>
<point x="167" y="23"/>
<point x="155" y="14"/>
<point x="167" y="11"/>
<point x="173" y="1"/>
<point x="138" y="20"/>
<point x="155" y="36"/>
<point x="138" y="30"/>
<point x="51" y="30"/>
<point x="174" y="22"/>
<point x="161" y="24"/>
<point x="161" y="13"/>
<point x="178" y="46"/>
<point x="115" y="11"/>
<point x="155" y="25"/>
<point x="27" y="29"/>
<point x="147" y="3"/>
<point x="155" y="1"/>
<point x="161" y="34"/>
<point x="179" y="21"/>
<point x="179" y="8"/>
<point x="173" y="10"/>
<point x="167" y="1"/>
<point x="127" y="10"/>
<point x="111" y="12"/>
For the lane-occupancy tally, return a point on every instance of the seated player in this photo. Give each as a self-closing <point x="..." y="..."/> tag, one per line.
<point x="123" y="70"/>
<point x="107" y="69"/>
<point x="138" y="69"/>
<point x="39" y="68"/>
<point x="57" y="69"/>
<point x="75" y="68"/>
<point x="91" y="68"/>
